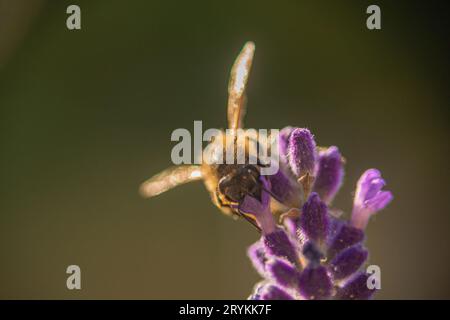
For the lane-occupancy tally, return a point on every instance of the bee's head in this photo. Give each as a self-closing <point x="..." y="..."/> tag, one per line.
<point x="242" y="181"/>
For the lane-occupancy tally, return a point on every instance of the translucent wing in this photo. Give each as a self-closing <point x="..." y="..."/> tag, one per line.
<point x="169" y="179"/>
<point x="236" y="87"/>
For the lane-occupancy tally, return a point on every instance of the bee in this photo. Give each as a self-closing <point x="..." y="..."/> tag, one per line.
<point x="228" y="184"/>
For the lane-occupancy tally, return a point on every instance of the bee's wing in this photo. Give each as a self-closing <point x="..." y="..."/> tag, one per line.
<point x="169" y="179"/>
<point x="236" y="87"/>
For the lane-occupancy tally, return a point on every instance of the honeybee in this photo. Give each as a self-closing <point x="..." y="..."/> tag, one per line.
<point x="228" y="184"/>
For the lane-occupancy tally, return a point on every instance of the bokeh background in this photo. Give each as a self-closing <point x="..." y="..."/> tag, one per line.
<point x="86" y="116"/>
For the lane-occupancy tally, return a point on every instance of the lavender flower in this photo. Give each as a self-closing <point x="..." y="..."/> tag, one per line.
<point x="369" y="198"/>
<point x="312" y="254"/>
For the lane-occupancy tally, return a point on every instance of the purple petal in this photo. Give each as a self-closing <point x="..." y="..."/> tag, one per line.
<point x="379" y="202"/>
<point x="369" y="198"/>
<point x="356" y="289"/>
<point x="284" y="189"/>
<point x="278" y="244"/>
<point x="346" y="236"/>
<point x="314" y="283"/>
<point x="284" y="273"/>
<point x="273" y="292"/>
<point x="314" y="220"/>
<point x="329" y="174"/>
<point x="257" y="254"/>
<point x="348" y="262"/>
<point x="260" y="210"/>
<point x="302" y="152"/>
<point x="368" y="185"/>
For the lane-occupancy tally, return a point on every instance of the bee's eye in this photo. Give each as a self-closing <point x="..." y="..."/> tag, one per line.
<point x="223" y="185"/>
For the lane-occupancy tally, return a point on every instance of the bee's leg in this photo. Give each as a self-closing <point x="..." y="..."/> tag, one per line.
<point x="252" y="222"/>
<point x="235" y="209"/>
<point x="219" y="200"/>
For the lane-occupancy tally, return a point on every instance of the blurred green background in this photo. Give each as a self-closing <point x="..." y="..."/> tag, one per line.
<point x="86" y="116"/>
